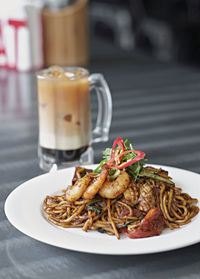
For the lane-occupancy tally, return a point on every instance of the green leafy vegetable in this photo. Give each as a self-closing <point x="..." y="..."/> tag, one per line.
<point x="102" y="230"/>
<point x="98" y="169"/>
<point x="135" y="170"/>
<point x="91" y="206"/>
<point x="113" y="173"/>
<point x="151" y="174"/>
<point x="125" y="225"/>
<point x="92" y="202"/>
<point x="141" y="216"/>
<point x="128" y="145"/>
<point x="94" y="208"/>
<point x="107" y="154"/>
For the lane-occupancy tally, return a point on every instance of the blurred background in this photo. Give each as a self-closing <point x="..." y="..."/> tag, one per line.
<point x="61" y="32"/>
<point x="168" y="30"/>
<point x="148" y="51"/>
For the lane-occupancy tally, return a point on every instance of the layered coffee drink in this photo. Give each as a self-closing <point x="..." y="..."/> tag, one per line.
<point x="64" y="113"/>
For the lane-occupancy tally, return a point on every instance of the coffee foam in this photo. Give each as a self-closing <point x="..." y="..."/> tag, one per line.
<point x="56" y="72"/>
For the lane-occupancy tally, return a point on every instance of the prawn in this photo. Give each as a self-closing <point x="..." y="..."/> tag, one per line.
<point x="95" y="186"/>
<point x="112" y="189"/>
<point x="74" y="192"/>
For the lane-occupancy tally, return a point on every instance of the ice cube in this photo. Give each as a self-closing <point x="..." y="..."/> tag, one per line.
<point x="70" y="75"/>
<point x="73" y="74"/>
<point x="55" y="72"/>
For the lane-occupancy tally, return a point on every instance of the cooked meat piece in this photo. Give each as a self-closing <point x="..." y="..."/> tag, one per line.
<point x="151" y="225"/>
<point x="148" y="197"/>
<point x="131" y="194"/>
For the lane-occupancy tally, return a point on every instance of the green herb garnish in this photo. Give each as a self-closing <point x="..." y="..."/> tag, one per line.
<point x="91" y="206"/>
<point x="124" y="156"/>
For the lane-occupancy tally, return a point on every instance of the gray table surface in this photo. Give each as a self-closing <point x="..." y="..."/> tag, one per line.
<point x="156" y="105"/>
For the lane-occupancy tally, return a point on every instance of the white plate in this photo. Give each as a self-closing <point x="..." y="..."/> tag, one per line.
<point x="23" y="210"/>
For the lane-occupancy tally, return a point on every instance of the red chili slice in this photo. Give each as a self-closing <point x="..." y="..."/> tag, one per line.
<point x="116" y="157"/>
<point x="110" y="164"/>
<point x="140" y="155"/>
<point x="119" y="141"/>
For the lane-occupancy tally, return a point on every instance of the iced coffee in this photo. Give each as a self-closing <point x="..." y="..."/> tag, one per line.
<point x="65" y="136"/>
<point x="64" y="114"/>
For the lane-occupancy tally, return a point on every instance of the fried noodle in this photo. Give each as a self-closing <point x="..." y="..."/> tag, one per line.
<point x="111" y="215"/>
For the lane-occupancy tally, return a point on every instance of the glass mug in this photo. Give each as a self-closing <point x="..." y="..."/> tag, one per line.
<point x="65" y="133"/>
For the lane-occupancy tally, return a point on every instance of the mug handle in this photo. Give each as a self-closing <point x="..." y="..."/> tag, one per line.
<point x="104" y="116"/>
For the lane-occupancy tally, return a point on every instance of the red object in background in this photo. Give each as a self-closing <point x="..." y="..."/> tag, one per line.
<point x="2" y="46"/>
<point x="17" y="24"/>
<point x="21" y="37"/>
